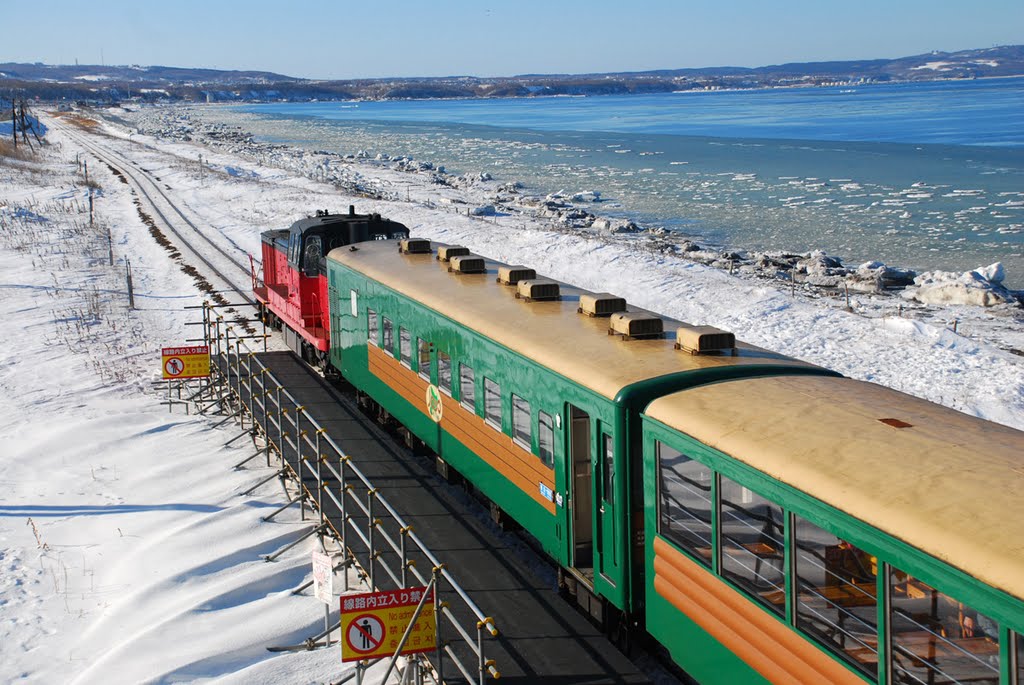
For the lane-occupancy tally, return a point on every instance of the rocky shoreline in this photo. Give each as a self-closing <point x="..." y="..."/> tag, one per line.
<point x="482" y="196"/>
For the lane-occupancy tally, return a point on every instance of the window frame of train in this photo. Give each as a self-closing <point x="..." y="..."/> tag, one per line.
<point x="405" y="347"/>
<point x="797" y="507"/>
<point x="546" y="438"/>
<point x="467" y="380"/>
<point x="423" y="358"/>
<point x="444" y="372"/>
<point x="372" y="327"/>
<point x="522" y="422"/>
<point x="387" y="340"/>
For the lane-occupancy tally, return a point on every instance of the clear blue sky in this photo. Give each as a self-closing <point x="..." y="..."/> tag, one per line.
<point x="378" y="38"/>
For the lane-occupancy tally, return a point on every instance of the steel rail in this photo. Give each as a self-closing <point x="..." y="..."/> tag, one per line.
<point x="125" y="167"/>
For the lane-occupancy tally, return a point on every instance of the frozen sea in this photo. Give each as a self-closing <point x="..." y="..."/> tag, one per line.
<point x="923" y="176"/>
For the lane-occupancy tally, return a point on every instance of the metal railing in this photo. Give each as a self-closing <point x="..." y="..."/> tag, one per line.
<point x="374" y="538"/>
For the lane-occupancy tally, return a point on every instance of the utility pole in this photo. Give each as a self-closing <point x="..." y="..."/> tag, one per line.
<point x="131" y="290"/>
<point x="14" y="124"/>
<point x="24" y="126"/>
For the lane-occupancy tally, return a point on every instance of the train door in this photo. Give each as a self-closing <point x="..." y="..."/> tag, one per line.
<point x="581" y="496"/>
<point x="608" y="551"/>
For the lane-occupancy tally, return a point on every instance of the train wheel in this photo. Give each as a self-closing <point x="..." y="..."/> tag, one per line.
<point x="620" y="631"/>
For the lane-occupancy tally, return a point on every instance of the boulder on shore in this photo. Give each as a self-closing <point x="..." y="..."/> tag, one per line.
<point x="981" y="287"/>
<point x="877" y="277"/>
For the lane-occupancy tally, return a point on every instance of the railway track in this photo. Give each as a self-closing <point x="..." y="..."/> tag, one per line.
<point x="205" y="250"/>
<point x="222" y="271"/>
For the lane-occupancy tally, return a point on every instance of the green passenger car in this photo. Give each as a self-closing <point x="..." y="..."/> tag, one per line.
<point x="825" y="530"/>
<point x="528" y="396"/>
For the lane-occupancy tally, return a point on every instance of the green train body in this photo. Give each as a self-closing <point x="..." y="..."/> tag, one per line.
<point x="559" y="435"/>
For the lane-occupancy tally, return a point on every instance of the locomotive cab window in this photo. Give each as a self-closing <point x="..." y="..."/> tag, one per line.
<point x="372" y="328"/>
<point x="444" y="372"/>
<point x="521" y="420"/>
<point x="312" y="256"/>
<point x="685" y="502"/>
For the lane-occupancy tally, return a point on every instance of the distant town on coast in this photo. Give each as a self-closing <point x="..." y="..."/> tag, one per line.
<point x="107" y="84"/>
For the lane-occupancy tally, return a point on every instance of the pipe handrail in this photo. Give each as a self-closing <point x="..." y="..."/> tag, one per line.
<point x="305" y="450"/>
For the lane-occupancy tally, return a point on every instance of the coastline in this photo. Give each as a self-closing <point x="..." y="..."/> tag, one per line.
<point x="408" y="191"/>
<point x="580" y="213"/>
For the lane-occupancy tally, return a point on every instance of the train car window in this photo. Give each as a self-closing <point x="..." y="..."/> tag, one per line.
<point x="936" y="638"/>
<point x="522" y="418"/>
<point x="389" y="336"/>
<point x="753" y="544"/>
<point x="372" y="327"/>
<point x="836" y="595"/>
<point x="467" y="388"/>
<point x="492" y="403"/>
<point x="423" y="358"/>
<point x="1020" y="659"/>
<point x="684" y="502"/>
<point x="608" y="472"/>
<point x="405" y="347"/>
<point x="444" y="372"/>
<point x="546" y="438"/>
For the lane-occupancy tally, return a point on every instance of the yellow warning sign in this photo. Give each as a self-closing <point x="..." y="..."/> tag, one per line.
<point x="372" y="623"/>
<point x="185" y="362"/>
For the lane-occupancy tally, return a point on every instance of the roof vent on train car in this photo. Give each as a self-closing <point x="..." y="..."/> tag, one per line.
<point x="705" y="340"/>
<point x="467" y="264"/>
<point x="414" y="246"/>
<point x="635" y="325"/>
<point x="511" y="275"/>
<point x="601" y="304"/>
<point x="537" y="289"/>
<point x="446" y="252"/>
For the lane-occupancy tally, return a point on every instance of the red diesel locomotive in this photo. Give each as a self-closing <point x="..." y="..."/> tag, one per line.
<point x="292" y="295"/>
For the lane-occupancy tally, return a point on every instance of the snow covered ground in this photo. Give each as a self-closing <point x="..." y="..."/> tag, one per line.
<point x="127" y="554"/>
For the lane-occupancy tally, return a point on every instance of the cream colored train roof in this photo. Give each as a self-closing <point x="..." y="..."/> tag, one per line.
<point x="552" y="333"/>
<point x="948" y="484"/>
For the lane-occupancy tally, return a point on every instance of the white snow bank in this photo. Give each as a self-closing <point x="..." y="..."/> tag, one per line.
<point x="981" y="287"/>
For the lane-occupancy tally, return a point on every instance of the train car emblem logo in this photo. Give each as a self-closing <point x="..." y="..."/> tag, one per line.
<point x="434" y="405"/>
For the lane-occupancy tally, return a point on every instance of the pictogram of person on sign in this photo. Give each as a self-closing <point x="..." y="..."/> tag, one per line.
<point x="367" y="634"/>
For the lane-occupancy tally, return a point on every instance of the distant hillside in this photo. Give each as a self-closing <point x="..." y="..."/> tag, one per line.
<point x="92" y="73"/>
<point x="104" y="84"/>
